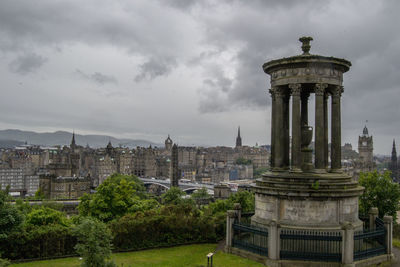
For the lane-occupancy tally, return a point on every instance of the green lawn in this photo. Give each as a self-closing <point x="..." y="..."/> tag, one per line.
<point x="192" y="255"/>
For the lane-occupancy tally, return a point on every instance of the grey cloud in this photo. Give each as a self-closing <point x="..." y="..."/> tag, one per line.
<point x="154" y="68"/>
<point x="97" y="77"/>
<point x="215" y="91"/>
<point x="26" y="63"/>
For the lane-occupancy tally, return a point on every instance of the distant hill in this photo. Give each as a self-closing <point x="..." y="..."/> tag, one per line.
<point x="11" y="137"/>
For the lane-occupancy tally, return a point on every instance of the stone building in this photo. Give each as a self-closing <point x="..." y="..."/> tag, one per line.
<point x="144" y="163"/>
<point x="64" y="187"/>
<point x="14" y="178"/>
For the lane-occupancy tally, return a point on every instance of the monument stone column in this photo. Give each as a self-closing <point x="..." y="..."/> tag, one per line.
<point x="326" y="138"/>
<point x="279" y="129"/>
<point x="304" y="107"/>
<point x="320" y="126"/>
<point x="336" y="143"/>
<point x="273" y="115"/>
<point x="286" y="138"/>
<point x="296" y="126"/>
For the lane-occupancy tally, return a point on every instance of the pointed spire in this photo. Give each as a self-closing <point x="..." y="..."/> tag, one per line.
<point x="238" y="139"/>
<point x="73" y="144"/>
<point x="394" y="147"/>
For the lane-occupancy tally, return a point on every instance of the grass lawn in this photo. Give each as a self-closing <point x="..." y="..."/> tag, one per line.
<point x="192" y="255"/>
<point x="396" y="242"/>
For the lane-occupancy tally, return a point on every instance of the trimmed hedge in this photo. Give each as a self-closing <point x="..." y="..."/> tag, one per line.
<point x="173" y="225"/>
<point x="39" y="242"/>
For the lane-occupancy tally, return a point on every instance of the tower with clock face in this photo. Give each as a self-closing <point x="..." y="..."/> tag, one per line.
<point x="365" y="150"/>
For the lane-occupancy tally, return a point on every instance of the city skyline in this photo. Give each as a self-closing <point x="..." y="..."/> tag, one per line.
<point x="193" y="72"/>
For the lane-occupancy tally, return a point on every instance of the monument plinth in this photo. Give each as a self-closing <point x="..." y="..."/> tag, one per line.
<point x="298" y="192"/>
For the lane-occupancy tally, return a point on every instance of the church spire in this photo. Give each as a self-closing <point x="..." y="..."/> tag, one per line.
<point x="238" y="139"/>
<point x="394" y="153"/>
<point x="393" y="164"/>
<point x="73" y="144"/>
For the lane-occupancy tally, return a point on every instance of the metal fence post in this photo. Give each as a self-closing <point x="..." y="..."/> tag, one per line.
<point x="273" y="241"/>
<point x="230" y="218"/>
<point x="373" y="214"/>
<point x="388" y="220"/>
<point x="348" y="244"/>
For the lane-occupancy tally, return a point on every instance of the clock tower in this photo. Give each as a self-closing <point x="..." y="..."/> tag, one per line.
<point x="365" y="150"/>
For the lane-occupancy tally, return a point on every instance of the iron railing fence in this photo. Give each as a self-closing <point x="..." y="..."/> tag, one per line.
<point x="365" y="220"/>
<point x="246" y="217"/>
<point x="370" y="242"/>
<point x="250" y="238"/>
<point x="311" y="245"/>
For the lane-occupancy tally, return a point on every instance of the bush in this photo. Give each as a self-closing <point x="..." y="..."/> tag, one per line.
<point x="39" y="242"/>
<point x="171" y="225"/>
<point x="94" y="243"/>
<point x="46" y="216"/>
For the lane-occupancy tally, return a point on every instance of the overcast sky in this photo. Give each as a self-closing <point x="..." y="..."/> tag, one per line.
<point x="191" y="69"/>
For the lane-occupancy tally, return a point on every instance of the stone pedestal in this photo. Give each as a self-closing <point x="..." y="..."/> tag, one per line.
<point x="307" y="200"/>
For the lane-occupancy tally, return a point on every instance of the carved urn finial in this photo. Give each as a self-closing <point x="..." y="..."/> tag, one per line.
<point x="306" y="44"/>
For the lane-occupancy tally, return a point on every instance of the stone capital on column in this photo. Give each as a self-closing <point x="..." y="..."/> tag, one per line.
<point x="337" y="91"/>
<point x="320" y="88"/>
<point x="295" y="89"/>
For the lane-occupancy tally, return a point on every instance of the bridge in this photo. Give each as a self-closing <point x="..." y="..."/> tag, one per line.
<point x="159" y="186"/>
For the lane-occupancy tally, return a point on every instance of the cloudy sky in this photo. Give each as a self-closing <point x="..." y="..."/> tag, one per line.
<point x="192" y="69"/>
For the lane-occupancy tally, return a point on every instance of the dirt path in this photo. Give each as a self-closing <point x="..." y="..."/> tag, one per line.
<point x="396" y="253"/>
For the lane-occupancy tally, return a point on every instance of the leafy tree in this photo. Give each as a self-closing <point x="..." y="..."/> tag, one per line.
<point x="46" y="216"/>
<point x="245" y="198"/>
<point x="94" y="242"/>
<point x="173" y="196"/>
<point x="39" y="194"/>
<point x="201" y="194"/>
<point x="10" y="218"/>
<point x="379" y="192"/>
<point x="243" y="161"/>
<point x="116" y="196"/>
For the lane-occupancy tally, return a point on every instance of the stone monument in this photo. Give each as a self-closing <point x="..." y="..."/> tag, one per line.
<point x="297" y="191"/>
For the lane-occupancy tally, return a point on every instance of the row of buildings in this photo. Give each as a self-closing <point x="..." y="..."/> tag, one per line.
<point x="69" y="171"/>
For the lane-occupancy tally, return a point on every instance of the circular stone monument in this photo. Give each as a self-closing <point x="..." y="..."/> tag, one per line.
<point x="298" y="192"/>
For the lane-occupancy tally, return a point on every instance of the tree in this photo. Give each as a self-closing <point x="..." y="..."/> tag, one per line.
<point x="201" y="194"/>
<point x="379" y="192"/>
<point x="116" y="196"/>
<point x="94" y="242"/>
<point x="173" y="196"/>
<point x="46" y="216"/>
<point x="10" y="218"/>
<point x="243" y="161"/>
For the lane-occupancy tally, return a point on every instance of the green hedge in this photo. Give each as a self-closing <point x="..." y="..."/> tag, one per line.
<point x="171" y="226"/>
<point x="39" y="242"/>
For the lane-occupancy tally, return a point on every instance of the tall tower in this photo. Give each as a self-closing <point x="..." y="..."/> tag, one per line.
<point x="73" y="144"/>
<point x="238" y="139"/>
<point x="365" y="150"/>
<point x="168" y="143"/>
<point x="393" y="163"/>
<point x="175" y="166"/>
